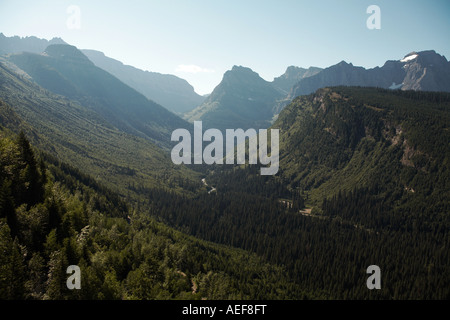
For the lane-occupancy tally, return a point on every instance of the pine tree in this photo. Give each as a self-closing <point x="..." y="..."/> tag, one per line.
<point x="7" y="207"/>
<point x="12" y="270"/>
<point x="33" y="191"/>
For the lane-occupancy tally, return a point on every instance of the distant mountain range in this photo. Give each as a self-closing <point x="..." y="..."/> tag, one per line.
<point x="170" y="91"/>
<point x="244" y="99"/>
<point x="27" y="44"/>
<point x="293" y="75"/>
<point x="66" y="71"/>
<point x="425" y="71"/>
<point x="174" y="93"/>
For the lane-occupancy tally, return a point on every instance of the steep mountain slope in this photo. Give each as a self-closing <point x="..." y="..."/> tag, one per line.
<point x="79" y="136"/>
<point x="242" y="100"/>
<point x="426" y="71"/>
<point x="174" y="93"/>
<point x="64" y="70"/>
<point x="392" y="141"/>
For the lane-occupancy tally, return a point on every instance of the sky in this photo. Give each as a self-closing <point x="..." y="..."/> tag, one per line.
<point x="199" y="40"/>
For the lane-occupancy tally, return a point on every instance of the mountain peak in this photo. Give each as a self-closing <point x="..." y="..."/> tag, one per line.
<point x="240" y="74"/>
<point x="293" y="71"/>
<point x="343" y="63"/>
<point x="57" y="40"/>
<point x="428" y="53"/>
<point x="242" y="69"/>
<point x="66" y="52"/>
<point x="241" y="100"/>
<point x="427" y="57"/>
<point x="292" y="75"/>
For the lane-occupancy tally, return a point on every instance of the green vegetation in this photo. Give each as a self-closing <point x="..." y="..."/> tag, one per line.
<point x="53" y="216"/>
<point x="364" y="179"/>
<point x="80" y="137"/>
<point x="391" y="141"/>
<point x="373" y="165"/>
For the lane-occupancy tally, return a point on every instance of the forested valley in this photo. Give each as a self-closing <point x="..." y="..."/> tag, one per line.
<point x="53" y="216"/>
<point x="364" y="180"/>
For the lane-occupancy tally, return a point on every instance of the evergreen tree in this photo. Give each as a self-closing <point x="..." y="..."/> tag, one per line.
<point x="7" y="207"/>
<point x="33" y="189"/>
<point x="12" y="270"/>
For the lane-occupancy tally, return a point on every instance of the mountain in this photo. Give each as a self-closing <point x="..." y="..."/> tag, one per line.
<point x="286" y="81"/>
<point x="64" y="70"/>
<point x="293" y="75"/>
<point x="393" y="141"/>
<point x="79" y="136"/>
<point x="242" y="100"/>
<point x="26" y="44"/>
<point x="425" y="70"/>
<point x="174" y="93"/>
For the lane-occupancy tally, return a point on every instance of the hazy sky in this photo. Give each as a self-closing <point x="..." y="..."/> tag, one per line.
<point x="199" y="40"/>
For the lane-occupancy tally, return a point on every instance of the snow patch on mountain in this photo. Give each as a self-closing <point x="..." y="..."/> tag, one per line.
<point x="409" y="58"/>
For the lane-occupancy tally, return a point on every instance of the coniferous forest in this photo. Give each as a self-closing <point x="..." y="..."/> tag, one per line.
<point x="373" y="189"/>
<point x="68" y="219"/>
<point x="244" y="236"/>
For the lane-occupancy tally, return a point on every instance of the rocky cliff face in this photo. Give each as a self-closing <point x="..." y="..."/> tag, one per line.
<point x="427" y="71"/>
